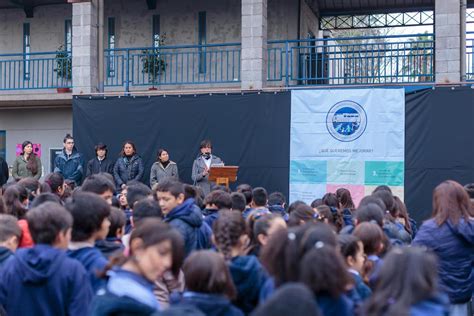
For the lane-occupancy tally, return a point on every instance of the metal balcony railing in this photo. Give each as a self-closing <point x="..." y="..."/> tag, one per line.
<point x="470" y="56"/>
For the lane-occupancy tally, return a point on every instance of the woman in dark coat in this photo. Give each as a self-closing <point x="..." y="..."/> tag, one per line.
<point x="129" y="166"/>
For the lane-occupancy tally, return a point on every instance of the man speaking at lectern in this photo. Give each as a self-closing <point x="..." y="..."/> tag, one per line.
<point x="202" y="164"/>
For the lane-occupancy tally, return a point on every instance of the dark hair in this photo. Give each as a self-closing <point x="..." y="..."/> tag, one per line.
<point x="372" y="199"/>
<point x="145" y="208"/>
<point x="221" y="188"/>
<point x="345" y="198"/>
<point x="9" y="227"/>
<point x="175" y="188"/>
<point x="190" y="192"/>
<point x="261" y="226"/>
<point x="349" y="245"/>
<point x="2" y="205"/>
<point x="276" y="198"/>
<point x="301" y="213"/>
<point x="333" y="216"/>
<point x="205" y="143"/>
<point x="387" y="199"/>
<point x="227" y="229"/>
<point x="451" y="202"/>
<point x="55" y="181"/>
<point x="407" y="277"/>
<point x="219" y="198"/>
<point x="158" y="154"/>
<point x="470" y="190"/>
<point x="12" y="199"/>
<point x="88" y="211"/>
<point x="323" y="271"/>
<point x="294" y="205"/>
<point x="206" y="271"/>
<point x="330" y="199"/>
<point x="97" y="184"/>
<point x="45" y="197"/>
<point x="129" y="142"/>
<point x="46" y="221"/>
<point x="135" y="192"/>
<point x="289" y="299"/>
<point x="246" y="190"/>
<point x="382" y="188"/>
<point x="259" y="196"/>
<point x="238" y="201"/>
<point x="152" y="232"/>
<point x="371" y="236"/>
<point x="316" y="203"/>
<point x="370" y="212"/>
<point x="32" y="185"/>
<point x="31" y="163"/>
<point x="403" y="213"/>
<point x="117" y="220"/>
<point x="68" y="136"/>
<point x="101" y="146"/>
<point x="285" y="249"/>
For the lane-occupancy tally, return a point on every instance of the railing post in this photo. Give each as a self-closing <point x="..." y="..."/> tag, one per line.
<point x="127" y="72"/>
<point x="287" y="63"/>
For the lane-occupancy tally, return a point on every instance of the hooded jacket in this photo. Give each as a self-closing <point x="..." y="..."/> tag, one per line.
<point x="210" y="304"/>
<point x="128" y="169"/>
<point x="5" y="253"/>
<point x="109" y="246"/>
<point x="71" y="167"/>
<point x="248" y="276"/>
<point x="93" y="261"/>
<point x="454" y="246"/>
<point x="43" y="281"/>
<point x="187" y="219"/>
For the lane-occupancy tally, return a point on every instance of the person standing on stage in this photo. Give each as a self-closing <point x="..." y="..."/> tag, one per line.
<point x="100" y="163"/>
<point x="70" y="162"/>
<point x="202" y="164"/>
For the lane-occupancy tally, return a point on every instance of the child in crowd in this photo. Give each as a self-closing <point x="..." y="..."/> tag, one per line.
<point x="10" y="234"/>
<point x="352" y="250"/>
<point x="209" y="285"/>
<point x="100" y="185"/>
<point x="42" y="280"/>
<point x="301" y="215"/>
<point x="56" y="184"/>
<point x="155" y="247"/>
<point x="407" y="285"/>
<point x="215" y="201"/>
<point x="112" y="244"/>
<point x="372" y="238"/>
<point x="261" y="227"/>
<point x="231" y="239"/>
<point x="259" y="201"/>
<point x="184" y="215"/>
<point x="238" y="202"/>
<point x="91" y="223"/>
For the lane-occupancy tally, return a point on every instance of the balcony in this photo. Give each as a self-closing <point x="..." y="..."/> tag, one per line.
<point x="470" y="56"/>
<point x="400" y="59"/>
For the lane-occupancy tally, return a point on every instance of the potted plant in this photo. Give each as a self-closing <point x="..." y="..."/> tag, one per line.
<point x="63" y="69"/>
<point x="153" y="63"/>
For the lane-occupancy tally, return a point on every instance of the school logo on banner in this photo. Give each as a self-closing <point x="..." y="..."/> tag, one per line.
<point x="346" y="121"/>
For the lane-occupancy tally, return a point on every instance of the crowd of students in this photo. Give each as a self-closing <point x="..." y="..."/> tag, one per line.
<point x="103" y="249"/>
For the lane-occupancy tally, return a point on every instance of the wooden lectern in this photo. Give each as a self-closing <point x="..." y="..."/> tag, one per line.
<point x="223" y="175"/>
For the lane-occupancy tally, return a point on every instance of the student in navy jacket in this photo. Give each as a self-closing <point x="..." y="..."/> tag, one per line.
<point x="155" y="247"/>
<point x="231" y="239"/>
<point x="215" y="201"/>
<point x="42" y="280"/>
<point x="101" y="163"/>
<point x="450" y="234"/>
<point x="407" y="285"/>
<point x="209" y="286"/>
<point x="90" y="213"/>
<point x="184" y="215"/>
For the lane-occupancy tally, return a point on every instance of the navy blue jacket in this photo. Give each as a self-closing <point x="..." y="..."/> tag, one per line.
<point x="210" y="216"/>
<point x="128" y="169"/>
<point x="454" y="246"/>
<point x="210" y="304"/>
<point x="71" y="167"/>
<point x="95" y="166"/>
<point x="110" y="246"/>
<point x="126" y="293"/>
<point x="187" y="219"/>
<point x="93" y="261"/>
<point x="43" y="281"/>
<point x="435" y="306"/>
<point x="4" y="172"/>
<point x="330" y="306"/>
<point x="249" y="277"/>
<point x="5" y="253"/>
<point x="360" y="292"/>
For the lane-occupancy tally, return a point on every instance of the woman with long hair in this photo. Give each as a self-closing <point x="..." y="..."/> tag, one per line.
<point x="450" y="234"/>
<point x="129" y="165"/>
<point x="27" y="164"/>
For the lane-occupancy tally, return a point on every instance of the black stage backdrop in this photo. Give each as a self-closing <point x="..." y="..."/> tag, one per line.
<point x="439" y="143"/>
<point x="251" y="131"/>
